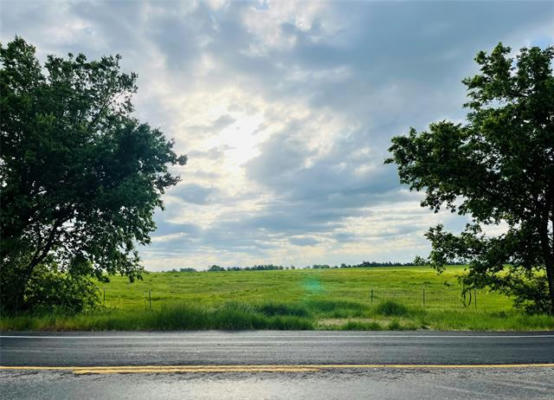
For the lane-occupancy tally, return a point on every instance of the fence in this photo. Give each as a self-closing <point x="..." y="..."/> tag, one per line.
<point x="431" y="298"/>
<point x="428" y="298"/>
<point x="117" y="300"/>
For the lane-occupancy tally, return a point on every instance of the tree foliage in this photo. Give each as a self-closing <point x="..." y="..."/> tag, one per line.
<point x="80" y="177"/>
<point x="498" y="167"/>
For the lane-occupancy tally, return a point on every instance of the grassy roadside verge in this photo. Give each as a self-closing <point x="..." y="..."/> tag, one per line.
<point x="392" y="298"/>
<point x="280" y="316"/>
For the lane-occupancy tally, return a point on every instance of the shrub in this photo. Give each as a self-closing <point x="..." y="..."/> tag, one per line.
<point x="50" y="291"/>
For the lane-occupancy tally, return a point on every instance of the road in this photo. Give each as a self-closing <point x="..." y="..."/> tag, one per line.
<point x="274" y="347"/>
<point x="269" y="364"/>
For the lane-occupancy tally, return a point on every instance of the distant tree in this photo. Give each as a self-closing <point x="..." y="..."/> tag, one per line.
<point x="419" y="261"/>
<point x="497" y="167"/>
<point x="80" y="177"/>
<point x="215" y="268"/>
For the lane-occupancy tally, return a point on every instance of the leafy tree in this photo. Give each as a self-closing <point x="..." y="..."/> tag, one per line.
<point x="498" y="167"/>
<point x="419" y="261"/>
<point x="80" y="177"/>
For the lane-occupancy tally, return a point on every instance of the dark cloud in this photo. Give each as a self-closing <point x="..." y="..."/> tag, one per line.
<point x="194" y="193"/>
<point x="167" y="228"/>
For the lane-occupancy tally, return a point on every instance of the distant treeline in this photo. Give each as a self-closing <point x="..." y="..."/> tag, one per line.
<point x="271" y="267"/>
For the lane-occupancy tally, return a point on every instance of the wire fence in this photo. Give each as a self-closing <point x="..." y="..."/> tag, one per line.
<point x="429" y="298"/>
<point x="423" y="297"/>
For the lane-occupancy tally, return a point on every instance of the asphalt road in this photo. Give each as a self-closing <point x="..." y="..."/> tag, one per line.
<point x="528" y="384"/>
<point x="280" y="365"/>
<point x="273" y="347"/>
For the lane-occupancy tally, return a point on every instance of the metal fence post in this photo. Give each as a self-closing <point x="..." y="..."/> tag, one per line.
<point x="104" y="296"/>
<point x="475" y="298"/>
<point x="150" y="297"/>
<point x="424" y="297"/>
<point x="372" y="296"/>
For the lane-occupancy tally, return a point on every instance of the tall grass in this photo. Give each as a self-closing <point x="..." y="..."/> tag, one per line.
<point x="230" y="316"/>
<point x="272" y="315"/>
<point x="390" y="307"/>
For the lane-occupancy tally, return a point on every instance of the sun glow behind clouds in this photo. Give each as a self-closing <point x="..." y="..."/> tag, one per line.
<point x="240" y="139"/>
<point x="222" y="131"/>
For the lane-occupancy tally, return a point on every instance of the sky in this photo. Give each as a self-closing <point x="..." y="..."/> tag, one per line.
<point x="285" y="110"/>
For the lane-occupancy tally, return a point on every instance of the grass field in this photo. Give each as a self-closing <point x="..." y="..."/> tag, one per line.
<point x="357" y="298"/>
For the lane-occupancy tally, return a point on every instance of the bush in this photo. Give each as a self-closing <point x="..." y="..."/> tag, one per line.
<point x="530" y="293"/>
<point x="391" y="308"/>
<point x="50" y="291"/>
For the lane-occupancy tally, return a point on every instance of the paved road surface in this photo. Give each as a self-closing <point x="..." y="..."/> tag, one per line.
<point x="271" y="347"/>
<point x="295" y="353"/>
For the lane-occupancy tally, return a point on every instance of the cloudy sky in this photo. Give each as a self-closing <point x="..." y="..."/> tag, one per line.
<point x="285" y="110"/>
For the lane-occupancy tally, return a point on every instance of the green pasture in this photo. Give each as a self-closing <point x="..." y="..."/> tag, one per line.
<point x="355" y="299"/>
<point x="406" y="285"/>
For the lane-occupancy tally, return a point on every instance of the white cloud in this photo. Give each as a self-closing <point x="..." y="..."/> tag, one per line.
<point x="286" y="110"/>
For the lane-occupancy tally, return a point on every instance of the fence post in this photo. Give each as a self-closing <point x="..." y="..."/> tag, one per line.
<point x="371" y="296"/>
<point x="104" y="296"/>
<point x="424" y="297"/>
<point x="150" y="297"/>
<point x="475" y="298"/>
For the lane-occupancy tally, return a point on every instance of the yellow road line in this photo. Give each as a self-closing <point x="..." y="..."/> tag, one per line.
<point x="165" y="369"/>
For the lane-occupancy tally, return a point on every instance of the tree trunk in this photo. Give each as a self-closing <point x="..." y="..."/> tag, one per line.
<point x="12" y="290"/>
<point x="14" y="278"/>
<point x="550" y="276"/>
<point x="548" y="255"/>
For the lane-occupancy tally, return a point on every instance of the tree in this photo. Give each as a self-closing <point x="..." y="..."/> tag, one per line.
<point x="80" y="177"/>
<point x="419" y="261"/>
<point x="498" y="167"/>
